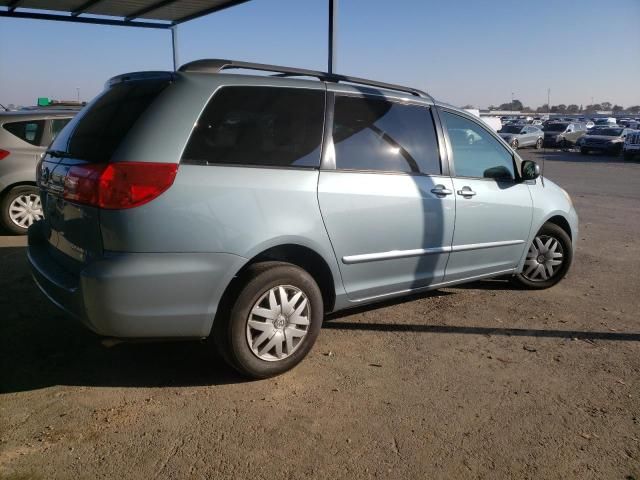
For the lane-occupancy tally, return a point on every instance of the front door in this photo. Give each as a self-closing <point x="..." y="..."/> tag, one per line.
<point x="387" y="207"/>
<point x="493" y="209"/>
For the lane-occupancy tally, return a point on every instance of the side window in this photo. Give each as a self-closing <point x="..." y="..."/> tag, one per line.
<point x="375" y="134"/>
<point x="57" y="124"/>
<point x="263" y="126"/>
<point x="476" y="153"/>
<point x="30" y="131"/>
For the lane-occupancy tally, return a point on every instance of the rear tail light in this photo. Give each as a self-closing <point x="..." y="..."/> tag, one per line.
<point x="4" y="153"/>
<point x="118" y="185"/>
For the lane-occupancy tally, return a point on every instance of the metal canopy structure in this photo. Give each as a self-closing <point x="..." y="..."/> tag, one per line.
<point x="158" y="14"/>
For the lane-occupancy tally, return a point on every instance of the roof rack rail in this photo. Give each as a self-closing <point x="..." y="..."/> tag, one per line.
<point x="216" y="65"/>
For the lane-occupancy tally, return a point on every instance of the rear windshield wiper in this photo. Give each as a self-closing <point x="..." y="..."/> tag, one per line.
<point x="57" y="153"/>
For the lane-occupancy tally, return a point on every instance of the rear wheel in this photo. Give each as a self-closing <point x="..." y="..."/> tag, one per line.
<point x="628" y="156"/>
<point x="21" y="208"/>
<point x="548" y="259"/>
<point x="514" y="144"/>
<point x="273" y="322"/>
<point x="539" y="144"/>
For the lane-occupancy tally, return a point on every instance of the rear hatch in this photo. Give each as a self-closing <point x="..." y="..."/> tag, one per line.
<point x="75" y="166"/>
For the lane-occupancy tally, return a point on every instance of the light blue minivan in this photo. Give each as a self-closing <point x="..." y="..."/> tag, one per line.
<point x="245" y="207"/>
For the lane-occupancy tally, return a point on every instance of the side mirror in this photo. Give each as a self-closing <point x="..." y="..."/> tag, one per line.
<point x="530" y="170"/>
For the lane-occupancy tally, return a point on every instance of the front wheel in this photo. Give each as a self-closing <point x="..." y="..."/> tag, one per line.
<point x="628" y="156"/>
<point x="273" y="322"/>
<point x="514" y="144"/>
<point x="539" y="144"/>
<point x="21" y="207"/>
<point x="548" y="259"/>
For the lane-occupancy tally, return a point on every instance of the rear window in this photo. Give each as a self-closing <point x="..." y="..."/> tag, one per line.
<point x="96" y="131"/>
<point x="29" y="131"/>
<point x="262" y="126"/>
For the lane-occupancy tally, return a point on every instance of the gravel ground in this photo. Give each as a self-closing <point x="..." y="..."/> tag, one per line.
<point x="479" y="381"/>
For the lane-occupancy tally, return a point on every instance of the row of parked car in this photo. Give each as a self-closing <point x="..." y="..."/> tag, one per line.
<point x="608" y="138"/>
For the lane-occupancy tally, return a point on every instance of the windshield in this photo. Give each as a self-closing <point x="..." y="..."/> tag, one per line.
<point x="556" y="127"/>
<point x="602" y="121"/>
<point x="607" y="132"/>
<point x="511" y="129"/>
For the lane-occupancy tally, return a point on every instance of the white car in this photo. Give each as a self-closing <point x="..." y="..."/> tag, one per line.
<point x="631" y="147"/>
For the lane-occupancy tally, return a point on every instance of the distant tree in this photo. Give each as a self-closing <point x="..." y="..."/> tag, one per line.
<point x="634" y="109"/>
<point x="562" y="108"/>
<point x="593" y="108"/>
<point x="471" y="107"/>
<point x="617" y="108"/>
<point x="606" y="105"/>
<point x="573" y="108"/>
<point x="554" y="109"/>
<point x="543" y="108"/>
<point x="493" y="107"/>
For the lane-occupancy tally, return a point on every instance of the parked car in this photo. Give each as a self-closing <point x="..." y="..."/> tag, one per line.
<point x="242" y="207"/>
<point x="604" y="140"/>
<point x="24" y="136"/>
<point x="631" y="146"/>
<point x="605" y="121"/>
<point x="522" y="136"/>
<point x="563" y="134"/>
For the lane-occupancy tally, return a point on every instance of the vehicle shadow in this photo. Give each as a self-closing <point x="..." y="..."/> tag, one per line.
<point x="41" y="347"/>
<point x="510" y="332"/>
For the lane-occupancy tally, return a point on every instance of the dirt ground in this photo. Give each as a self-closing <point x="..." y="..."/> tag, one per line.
<point x="479" y="381"/>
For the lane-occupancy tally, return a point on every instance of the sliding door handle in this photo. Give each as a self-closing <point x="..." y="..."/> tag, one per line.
<point x="466" y="192"/>
<point x="441" y="190"/>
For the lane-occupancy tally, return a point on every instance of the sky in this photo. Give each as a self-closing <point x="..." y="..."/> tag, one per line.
<point x="460" y="51"/>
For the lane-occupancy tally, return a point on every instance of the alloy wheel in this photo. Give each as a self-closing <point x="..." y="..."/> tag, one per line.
<point x="278" y="323"/>
<point x="25" y="209"/>
<point x="544" y="259"/>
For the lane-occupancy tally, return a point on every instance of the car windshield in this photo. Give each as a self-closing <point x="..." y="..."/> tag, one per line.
<point x="607" y="132"/>
<point x="556" y="127"/>
<point x="511" y="129"/>
<point x="602" y="122"/>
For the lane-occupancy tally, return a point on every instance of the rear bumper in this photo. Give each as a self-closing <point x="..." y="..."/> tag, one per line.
<point x="137" y="295"/>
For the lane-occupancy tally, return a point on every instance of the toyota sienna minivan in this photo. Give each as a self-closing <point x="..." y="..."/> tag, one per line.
<point x="246" y="207"/>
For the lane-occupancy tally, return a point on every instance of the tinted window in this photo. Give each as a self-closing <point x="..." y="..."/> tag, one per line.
<point x="57" y="124"/>
<point x="30" y="131"/>
<point x="475" y="152"/>
<point x="97" y="130"/>
<point x="259" y="126"/>
<point x="373" y="134"/>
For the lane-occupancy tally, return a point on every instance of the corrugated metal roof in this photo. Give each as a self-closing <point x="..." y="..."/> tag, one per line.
<point x="174" y="11"/>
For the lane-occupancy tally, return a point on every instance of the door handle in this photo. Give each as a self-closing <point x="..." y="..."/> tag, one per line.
<point x="466" y="192"/>
<point x="441" y="190"/>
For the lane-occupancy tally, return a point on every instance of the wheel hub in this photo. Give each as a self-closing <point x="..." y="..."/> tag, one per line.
<point x="544" y="259"/>
<point x="278" y="323"/>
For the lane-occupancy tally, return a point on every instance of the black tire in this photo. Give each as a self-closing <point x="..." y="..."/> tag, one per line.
<point x="554" y="231"/>
<point x="628" y="156"/>
<point x="584" y="151"/>
<point x="564" y="144"/>
<point x="539" y="143"/>
<point x="230" y="329"/>
<point x="6" y="202"/>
